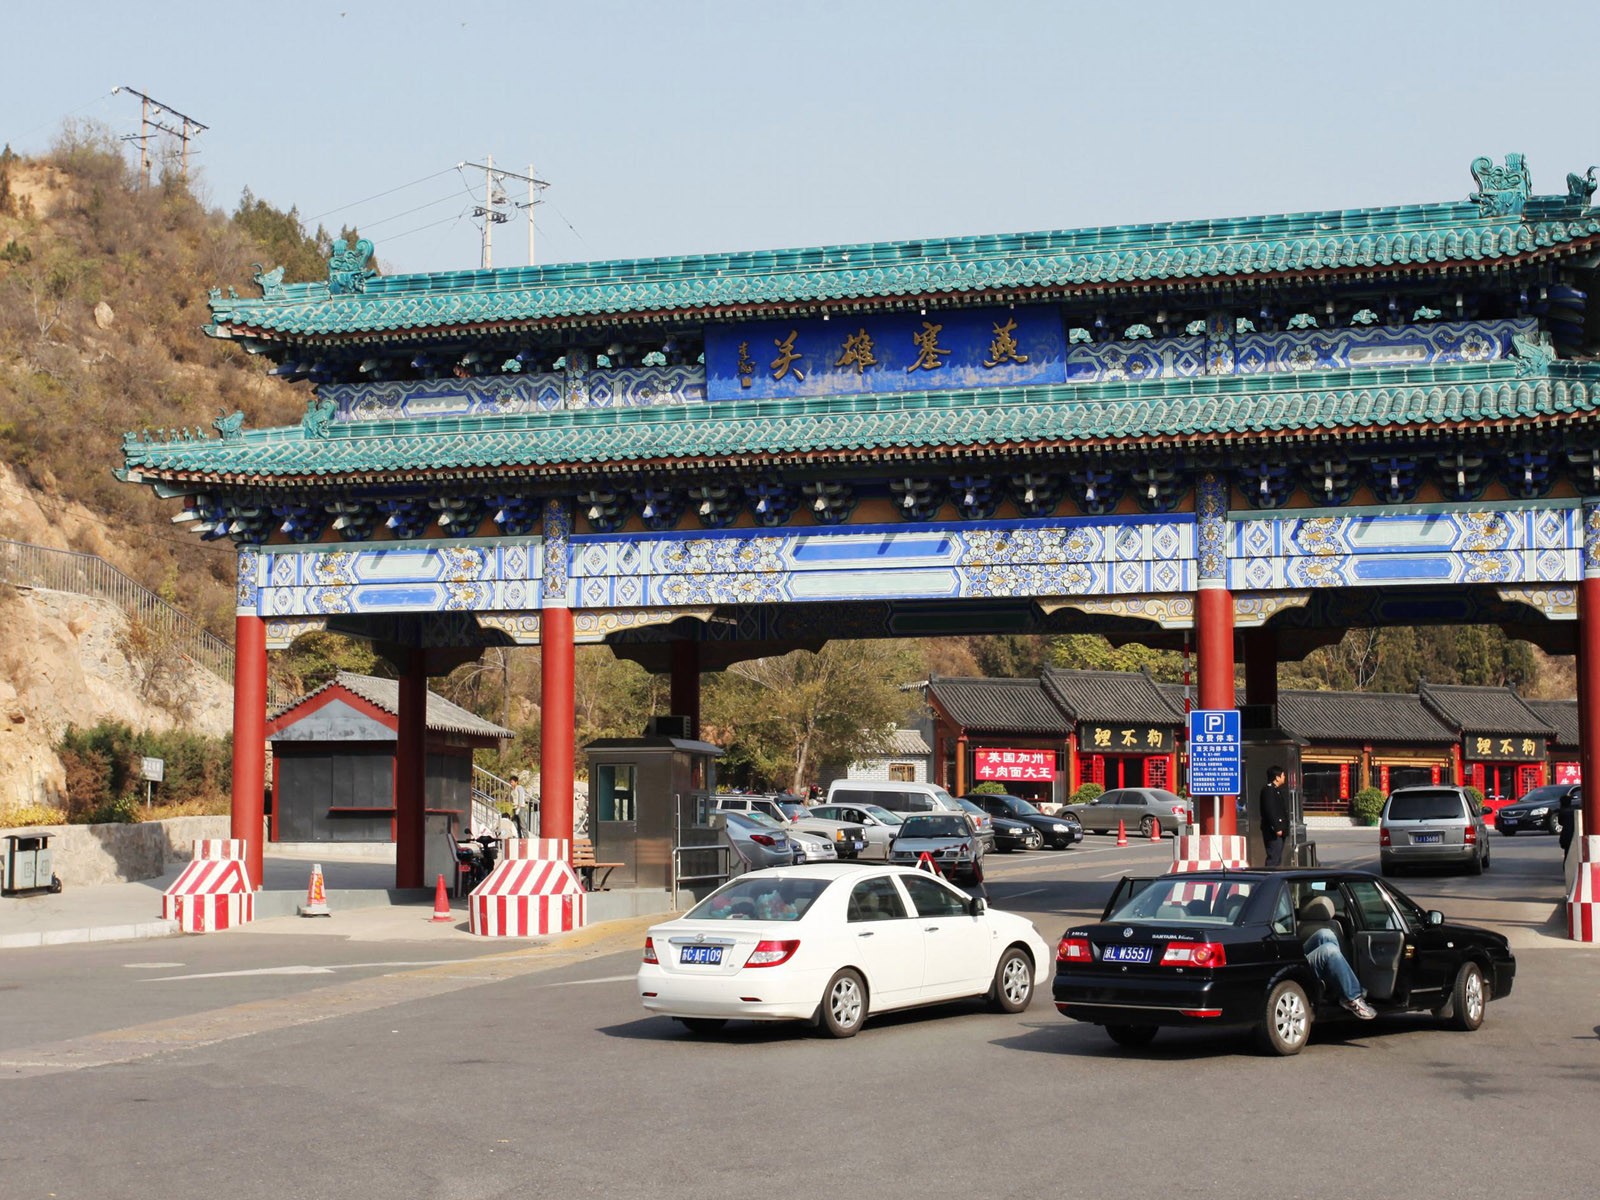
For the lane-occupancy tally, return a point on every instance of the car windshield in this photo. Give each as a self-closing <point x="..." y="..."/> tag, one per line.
<point x="761" y="819"/>
<point x="1549" y="794"/>
<point x="935" y="827"/>
<point x="970" y="807"/>
<point x="883" y="814"/>
<point x="793" y="808"/>
<point x="760" y="899"/>
<point x="1442" y="805"/>
<point x="1183" y="901"/>
<point x="1019" y="807"/>
<point x="945" y="798"/>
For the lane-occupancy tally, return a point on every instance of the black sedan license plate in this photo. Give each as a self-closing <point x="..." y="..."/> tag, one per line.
<point x="1128" y="954"/>
<point x="707" y="955"/>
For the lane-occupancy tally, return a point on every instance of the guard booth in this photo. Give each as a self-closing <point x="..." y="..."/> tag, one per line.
<point x="648" y="795"/>
<point x="1264" y="745"/>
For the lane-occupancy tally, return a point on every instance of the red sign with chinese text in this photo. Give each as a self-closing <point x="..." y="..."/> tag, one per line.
<point x="1033" y="766"/>
<point x="1569" y="772"/>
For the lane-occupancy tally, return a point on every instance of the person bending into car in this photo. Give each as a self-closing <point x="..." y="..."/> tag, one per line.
<point x="1328" y="961"/>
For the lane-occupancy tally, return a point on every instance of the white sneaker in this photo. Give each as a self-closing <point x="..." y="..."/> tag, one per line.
<point x="1360" y="1008"/>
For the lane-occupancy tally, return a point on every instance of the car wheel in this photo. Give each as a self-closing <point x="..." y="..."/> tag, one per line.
<point x="1475" y="867"/>
<point x="1286" y="1024"/>
<point x="1147" y="826"/>
<point x="700" y="1026"/>
<point x="844" y="1004"/>
<point x="1467" y="999"/>
<point x="1013" y="982"/>
<point x="1552" y="824"/>
<point x="1486" y="856"/>
<point x="1131" y="1036"/>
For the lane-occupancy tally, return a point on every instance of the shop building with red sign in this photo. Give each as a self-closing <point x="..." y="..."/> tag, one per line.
<point x="1562" y="716"/>
<point x="1504" y="744"/>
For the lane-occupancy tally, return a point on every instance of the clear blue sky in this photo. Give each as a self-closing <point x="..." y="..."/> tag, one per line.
<point x="678" y="127"/>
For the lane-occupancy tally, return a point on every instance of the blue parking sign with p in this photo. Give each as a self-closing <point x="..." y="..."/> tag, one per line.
<point x="1215" y="752"/>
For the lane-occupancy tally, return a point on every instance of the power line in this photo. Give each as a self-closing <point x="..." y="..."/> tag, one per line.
<point x="395" y="237"/>
<point x="149" y="109"/>
<point x="381" y="195"/>
<point x="366" y="225"/>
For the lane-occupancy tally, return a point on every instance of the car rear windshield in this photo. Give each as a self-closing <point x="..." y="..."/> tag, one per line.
<point x="1184" y="901"/>
<point x="1425" y="806"/>
<point x="764" y="899"/>
<point x="930" y="827"/>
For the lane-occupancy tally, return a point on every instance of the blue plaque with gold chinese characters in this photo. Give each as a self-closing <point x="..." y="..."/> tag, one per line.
<point x="895" y="352"/>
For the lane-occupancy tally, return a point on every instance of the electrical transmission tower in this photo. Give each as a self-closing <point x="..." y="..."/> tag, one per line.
<point x="149" y="110"/>
<point x="493" y="209"/>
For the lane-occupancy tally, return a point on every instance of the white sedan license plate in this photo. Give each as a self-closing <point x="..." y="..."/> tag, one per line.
<point x="710" y="956"/>
<point x="1128" y="954"/>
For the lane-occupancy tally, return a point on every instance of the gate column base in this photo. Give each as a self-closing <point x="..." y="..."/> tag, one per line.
<point x="1208" y="852"/>
<point x="1583" y="903"/>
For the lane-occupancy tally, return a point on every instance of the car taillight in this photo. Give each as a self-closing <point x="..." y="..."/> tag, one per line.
<point x="650" y="951"/>
<point x="1179" y="810"/>
<point x="1194" y="954"/>
<point x="762" y="839"/>
<point x="1470" y="837"/>
<point x="770" y="953"/>
<point x="1074" y="949"/>
<point x="1383" y="837"/>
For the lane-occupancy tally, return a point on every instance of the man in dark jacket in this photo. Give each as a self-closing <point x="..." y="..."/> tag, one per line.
<point x="1568" y="816"/>
<point x="1274" y="815"/>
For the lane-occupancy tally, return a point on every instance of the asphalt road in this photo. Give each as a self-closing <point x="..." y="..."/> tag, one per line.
<point x="178" y="1069"/>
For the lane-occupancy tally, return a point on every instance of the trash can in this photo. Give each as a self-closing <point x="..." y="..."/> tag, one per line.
<point x="28" y="864"/>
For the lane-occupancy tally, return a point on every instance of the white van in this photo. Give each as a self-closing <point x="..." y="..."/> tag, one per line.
<point x="896" y="797"/>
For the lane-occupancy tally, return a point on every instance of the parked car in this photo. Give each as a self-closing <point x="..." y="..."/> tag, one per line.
<point x="1058" y="832"/>
<point x="947" y="838"/>
<point x="812" y="847"/>
<point x="981" y="821"/>
<point x="750" y="803"/>
<point x="1141" y="811"/>
<point x="1225" y="948"/>
<point x="1012" y="835"/>
<point x="1432" y="826"/>
<point x="797" y="939"/>
<point x="1540" y="809"/>
<point x="850" y="841"/>
<point x="877" y="824"/>
<point x="759" y="840"/>
<point x="895" y="796"/>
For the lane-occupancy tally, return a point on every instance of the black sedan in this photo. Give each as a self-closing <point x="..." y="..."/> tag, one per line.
<point x="1539" y="810"/>
<point x="1225" y="948"/>
<point x="1012" y="835"/>
<point x="1058" y="832"/>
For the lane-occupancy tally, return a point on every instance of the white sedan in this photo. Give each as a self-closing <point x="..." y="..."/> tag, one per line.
<point x="834" y="944"/>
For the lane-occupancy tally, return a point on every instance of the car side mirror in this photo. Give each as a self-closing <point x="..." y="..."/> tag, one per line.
<point x="976" y="906"/>
<point x="1435" y="917"/>
<point x="1484" y="810"/>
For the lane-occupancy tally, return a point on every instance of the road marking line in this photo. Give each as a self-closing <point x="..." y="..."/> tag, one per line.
<point x="602" y="979"/>
<point x="308" y="970"/>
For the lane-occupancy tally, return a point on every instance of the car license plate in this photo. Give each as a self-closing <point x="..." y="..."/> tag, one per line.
<point x="1128" y="954"/>
<point x="707" y="955"/>
<point x="1426" y="839"/>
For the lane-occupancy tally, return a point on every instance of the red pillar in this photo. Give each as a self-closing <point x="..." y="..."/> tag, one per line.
<point x="557" y="731"/>
<point x="686" y="683"/>
<point x="410" y="773"/>
<point x="1588" y="695"/>
<point x="961" y="764"/>
<point x="1260" y="666"/>
<point x="1214" y="626"/>
<point x="249" y="738"/>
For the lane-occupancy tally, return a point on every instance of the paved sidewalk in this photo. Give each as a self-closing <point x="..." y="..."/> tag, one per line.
<point x="122" y="911"/>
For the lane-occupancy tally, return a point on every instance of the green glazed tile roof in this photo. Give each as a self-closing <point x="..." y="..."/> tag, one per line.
<point x="1128" y="255"/>
<point x="1178" y="410"/>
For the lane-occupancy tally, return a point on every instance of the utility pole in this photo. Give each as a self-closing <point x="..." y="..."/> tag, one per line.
<point x="494" y="197"/>
<point x="149" y="109"/>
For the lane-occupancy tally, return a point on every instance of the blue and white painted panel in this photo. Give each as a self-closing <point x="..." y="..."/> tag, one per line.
<point x="510" y="395"/>
<point x="1098" y="556"/>
<point x="1465" y="545"/>
<point x="482" y="577"/>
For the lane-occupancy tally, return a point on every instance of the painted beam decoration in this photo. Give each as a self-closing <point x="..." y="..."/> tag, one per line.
<point x="891" y="352"/>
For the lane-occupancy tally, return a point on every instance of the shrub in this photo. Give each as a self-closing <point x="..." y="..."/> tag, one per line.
<point x="1366" y="806"/>
<point x="16" y="816"/>
<point x="1474" y="795"/>
<point x="989" y="788"/>
<point x="103" y="778"/>
<point x="1086" y="793"/>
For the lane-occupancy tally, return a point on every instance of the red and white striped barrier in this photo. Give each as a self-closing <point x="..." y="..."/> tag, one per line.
<point x="213" y="892"/>
<point x="1583" y="905"/>
<point x="527" y="897"/>
<point x="517" y="849"/>
<point x="1208" y="852"/>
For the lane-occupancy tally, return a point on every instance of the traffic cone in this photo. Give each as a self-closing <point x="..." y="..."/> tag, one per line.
<point x="441" y="903"/>
<point x="1122" y="834"/>
<point x="1155" y="831"/>
<point x="316" y="904"/>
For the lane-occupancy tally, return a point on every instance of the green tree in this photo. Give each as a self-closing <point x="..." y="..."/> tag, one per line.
<point x="317" y="657"/>
<point x="1091" y="652"/>
<point x="282" y="238"/>
<point x="784" y="718"/>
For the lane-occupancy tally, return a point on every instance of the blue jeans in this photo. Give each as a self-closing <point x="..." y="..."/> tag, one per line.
<point x="1328" y="961"/>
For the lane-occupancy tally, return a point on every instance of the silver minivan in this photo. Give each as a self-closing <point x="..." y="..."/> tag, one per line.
<point x="1432" y="826"/>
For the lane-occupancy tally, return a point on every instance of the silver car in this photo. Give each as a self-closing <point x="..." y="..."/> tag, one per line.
<point x="811" y="846"/>
<point x="757" y="839"/>
<point x="877" y="824"/>
<point x="1432" y="826"/>
<point x="1142" y="811"/>
<point x="947" y="838"/>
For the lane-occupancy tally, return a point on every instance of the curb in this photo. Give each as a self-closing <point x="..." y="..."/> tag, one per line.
<point x="94" y="933"/>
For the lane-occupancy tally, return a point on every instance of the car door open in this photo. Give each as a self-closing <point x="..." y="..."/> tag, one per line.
<point x="1380" y="939"/>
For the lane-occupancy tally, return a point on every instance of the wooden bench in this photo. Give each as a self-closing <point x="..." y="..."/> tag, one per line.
<point x="583" y="861"/>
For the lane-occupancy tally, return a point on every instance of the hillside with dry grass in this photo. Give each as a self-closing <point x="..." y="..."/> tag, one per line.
<point x="102" y="297"/>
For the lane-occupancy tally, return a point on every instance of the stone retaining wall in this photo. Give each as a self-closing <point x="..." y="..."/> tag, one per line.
<point x="90" y="854"/>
